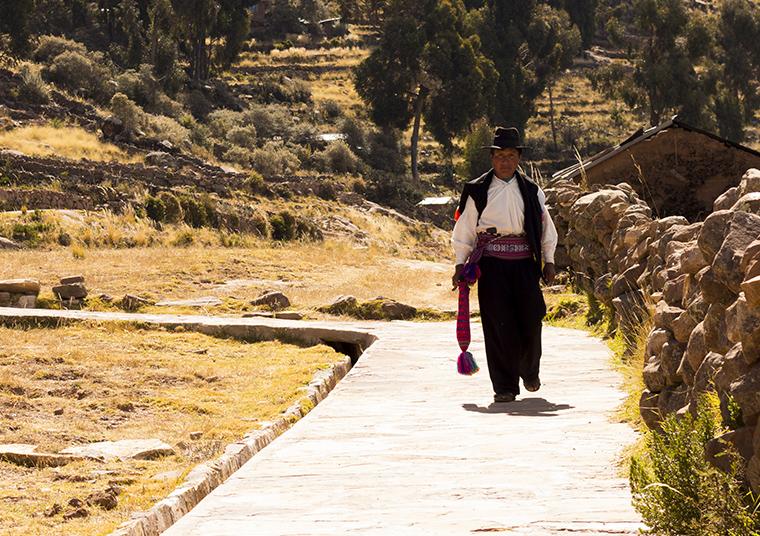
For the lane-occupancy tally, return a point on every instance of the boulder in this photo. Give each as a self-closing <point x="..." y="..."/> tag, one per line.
<point x="692" y="259"/>
<point x="630" y="310"/>
<point x="648" y="408"/>
<point x="672" y="399"/>
<point x="159" y="158"/>
<point x="130" y="302"/>
<point x="696" y="349"/>
<point x="627" y="281"/>
<point x="748" y="203"/>
<point x="386" y="309"/>
<point x="655" y="340"/>
<point x="72" y="279"/>
<point x="670" y="361"/>
<point x="716" y="337"/>
<point x="125" y="449"/>
<point x="730" y="368"/>
<point x="6" y="243"/>
<point x="727" y="199"/>
<point x="698" y="307"/>
<point x="665" y="314"/>
<point x="714" y="290"/>
<point x="704" y="378"/>
<point x="27" y="455"/>
<point x="741" y="320"/>
<point x="751" y="290"/>
<point x="750" y="181"/>
<point x="654" y="376"/>
<point x="674" y="290"/>
<point x="686" y="372"/>
<point x="753" y="473"/>
<point x="683" y="325"/>
<point x="602" y="289"/>
<point x="713" y="232"/>
<point x="745" y="228"/>
<point x="20" y="286"/>
<point x="67" y="292"/>
<point x="751" y="256"/>
<point x="716" y="450"/>
<point x="342" y="305"/>
<point x="274" y="300"/>
<point x="746" y="392"/>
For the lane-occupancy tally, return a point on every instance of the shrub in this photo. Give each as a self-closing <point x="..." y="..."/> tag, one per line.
<point x="129" y="113"/>
<point x="238" y="155"/>
<point x="172" y="208"/>
<point x="155" y="209"/>
<point x="194" y="212"/>
<point x="243" y="136"/>
<point x="356" y="136"/>
<point x="339" y="158"/>
<point x="270" y="121"/>
<point x="33" y="88"/>
<point x="81" y="74"/>
<point x="331" y="109"/>
<point x="273" y="159"/>
<point x="221" y="122"/>
<point x="51" y="46"/>
<point x="678" y="492"/>
<point x="384" y="151"/>
<point x="167" y="128"/>
<point x="475" y="159"/>
<point x="198" y="104"/>
<point x="283" y="226"/>
<point x="255" y="183"/>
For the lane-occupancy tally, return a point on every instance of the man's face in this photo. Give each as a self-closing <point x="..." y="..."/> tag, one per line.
<point x="505" y="162"/>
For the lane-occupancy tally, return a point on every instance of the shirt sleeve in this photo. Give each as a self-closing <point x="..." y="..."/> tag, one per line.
<point x="465" y="232"/>
<point x="548" y="231"/>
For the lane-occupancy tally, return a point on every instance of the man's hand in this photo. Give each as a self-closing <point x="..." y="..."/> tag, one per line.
<point x="457" y="277"/>
<point x="549" y="273"/>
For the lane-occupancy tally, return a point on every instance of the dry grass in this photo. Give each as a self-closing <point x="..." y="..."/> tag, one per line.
<point x="310" y="274"/>
<point x="68" y="142"/>
<point x="126" y="383"/>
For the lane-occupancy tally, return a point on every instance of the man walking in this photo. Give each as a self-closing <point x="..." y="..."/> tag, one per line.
<point x="503" y="225"/>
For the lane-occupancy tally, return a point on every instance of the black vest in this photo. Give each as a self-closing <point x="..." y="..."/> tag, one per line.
<point x="478" y="190"/>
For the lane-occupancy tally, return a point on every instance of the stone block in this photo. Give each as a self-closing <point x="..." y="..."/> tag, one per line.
<point x="20" y="286"/>
<point x="672" y="399"/>
<point x="683" y="325"/>
<point x="670" y="361"/>
<point x="739" y="440"/>
<point x="751" y="290"/>
<point x="70" y="280"/>
<point x="665" y="314"/>
<point x="746" y="391"/>
<point x="274" y="300"/>
<point x="727" y="199"/>
<point x="713" y="232"/>
<point x="713" y="289"/>
<point x="656" y="339"/>
<point x="696" y="348"/>
<point x="5" y="299"/>
<point x="744" y="229"/>
<point x="674" y="290"/>
<point x="716" y="337"/>
<point x="69" y="291"/>
<point x="692" y="259"/>
<point x="26" y="301"/>
<point x="649" y="410"/>
<point x="704" y="378"/>
<point x="654" y="377"/>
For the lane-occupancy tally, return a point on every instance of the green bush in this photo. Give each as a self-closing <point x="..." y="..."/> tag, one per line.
<point x="283" y="226"/>
<point x="476" y="160"/>
<point x="356" y="135"/>
<point x="166" y="128"/>
<point x="274" y="159"/>
<point x="237" y="155"/>
<point x="50" y="46"/>
<point x="33" y="88"/>
<point x="678" y="492"/>
<point x="194" y="212"/>
<point x="155" y="209"/>
<point x="255" y="183"/>
<point x="172" y="208"/>
<point x="198" y="104"/>
<point x="221" y="122"/>
<point x="129" y="113"/>
<point x="244" y="136"/>
<point x="338" y="157"/>
<point x="86" y="75"/>
<point x="270" y="121"/>
<point x="331" y="110"/>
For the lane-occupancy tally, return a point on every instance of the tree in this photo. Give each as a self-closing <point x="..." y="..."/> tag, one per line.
<point x="14" y="21"/>
<point x="737" y="67"/>
<point x="196" y="19"/>
<point x="424" y="66"/>
<point x="233" y="26"/>
<point x="669" y="43"/>
<point x="529" y="44"/>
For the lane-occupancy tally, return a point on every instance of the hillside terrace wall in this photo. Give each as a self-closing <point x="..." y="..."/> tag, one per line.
<point x="699" y="283"/>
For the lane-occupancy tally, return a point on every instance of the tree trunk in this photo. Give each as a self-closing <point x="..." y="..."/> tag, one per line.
<point x="551" y="115"/>
<point x="421" y="94"/>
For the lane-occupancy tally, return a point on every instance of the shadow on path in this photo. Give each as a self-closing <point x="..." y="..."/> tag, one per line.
<point x="531" y="407"/>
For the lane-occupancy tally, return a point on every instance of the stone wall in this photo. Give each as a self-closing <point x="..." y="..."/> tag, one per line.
<point x="698" y="283"/>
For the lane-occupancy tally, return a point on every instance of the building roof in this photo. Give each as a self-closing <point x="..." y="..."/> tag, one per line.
<point x="639" y="136"/>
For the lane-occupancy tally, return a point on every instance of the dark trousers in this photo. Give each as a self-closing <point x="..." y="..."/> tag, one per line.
<point x="511" y="310"/>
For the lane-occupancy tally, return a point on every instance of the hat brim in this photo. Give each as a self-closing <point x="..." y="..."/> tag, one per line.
<point x="520" y="147"/>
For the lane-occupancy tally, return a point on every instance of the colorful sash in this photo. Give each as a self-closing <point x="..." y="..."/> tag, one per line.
<point x="489" y="245"/>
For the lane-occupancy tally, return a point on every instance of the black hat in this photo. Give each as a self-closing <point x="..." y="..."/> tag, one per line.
<point x="506" y="137"/>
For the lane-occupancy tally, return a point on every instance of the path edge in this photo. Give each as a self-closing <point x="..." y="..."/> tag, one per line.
<point x="205" y="477"/>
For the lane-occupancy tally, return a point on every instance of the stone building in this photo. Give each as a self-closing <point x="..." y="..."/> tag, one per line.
<point x="676" y="168"/>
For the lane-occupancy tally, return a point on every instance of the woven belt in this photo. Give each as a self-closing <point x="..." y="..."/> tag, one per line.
<point x="508" y="248"/>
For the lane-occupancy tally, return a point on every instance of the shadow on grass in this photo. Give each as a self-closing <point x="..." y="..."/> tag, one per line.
<point x="531" y="407"/>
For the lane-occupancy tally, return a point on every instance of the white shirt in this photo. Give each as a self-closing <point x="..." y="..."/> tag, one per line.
<point x="505" y="210"/>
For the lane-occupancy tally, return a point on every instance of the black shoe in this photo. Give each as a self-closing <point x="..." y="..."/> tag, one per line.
<point x="504" y="397"/>
<point x="532" y="385"/>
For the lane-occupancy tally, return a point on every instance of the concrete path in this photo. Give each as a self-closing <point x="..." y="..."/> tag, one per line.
<point x="404" y="445"/>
